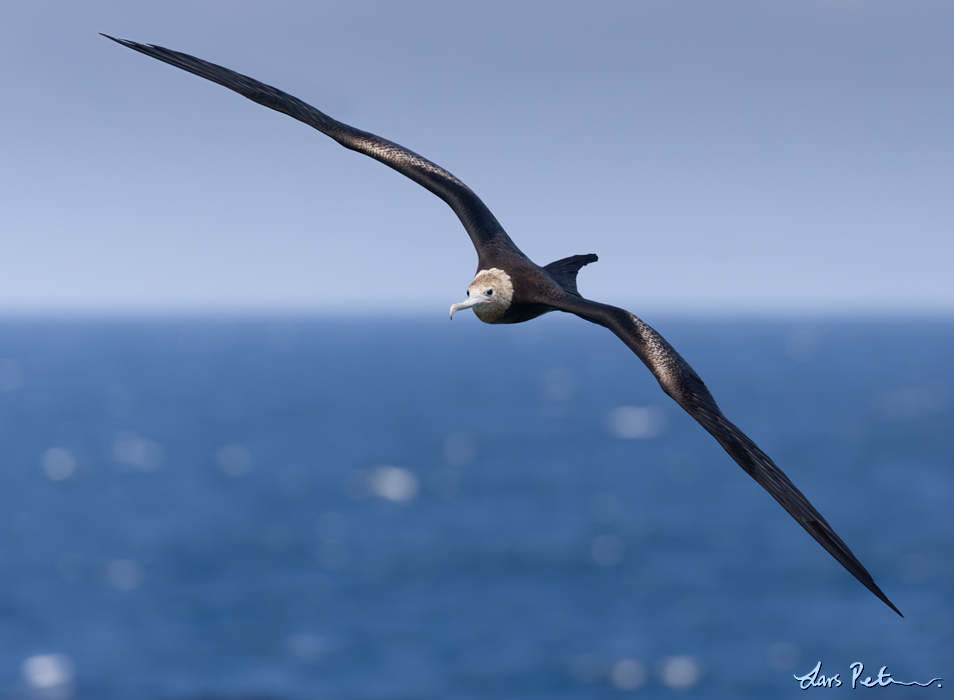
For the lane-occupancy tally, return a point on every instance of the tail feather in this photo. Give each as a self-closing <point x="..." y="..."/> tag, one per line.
<point x="564" y="271"/>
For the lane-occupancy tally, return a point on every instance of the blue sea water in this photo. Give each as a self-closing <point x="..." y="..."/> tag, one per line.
<point x="325" y="508"/>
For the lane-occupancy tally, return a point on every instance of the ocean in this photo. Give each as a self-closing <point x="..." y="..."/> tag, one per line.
<point x="294" y="508"/>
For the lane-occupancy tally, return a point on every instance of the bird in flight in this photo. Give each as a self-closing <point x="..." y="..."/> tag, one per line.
<point x="510" y="288"/>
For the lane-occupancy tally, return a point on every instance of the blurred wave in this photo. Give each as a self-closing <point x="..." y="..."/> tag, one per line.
<point x="394" y="509"/>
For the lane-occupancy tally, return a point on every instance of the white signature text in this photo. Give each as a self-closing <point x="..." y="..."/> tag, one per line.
<point x="816" y="679"/>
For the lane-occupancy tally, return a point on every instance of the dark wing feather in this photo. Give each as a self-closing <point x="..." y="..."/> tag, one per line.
<point x="480" y="223"/>
<point x="682" y="383"/>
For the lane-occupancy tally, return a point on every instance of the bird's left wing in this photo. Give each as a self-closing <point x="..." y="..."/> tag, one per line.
<point x="480" y="223"/>
<point x="681" y="382"/>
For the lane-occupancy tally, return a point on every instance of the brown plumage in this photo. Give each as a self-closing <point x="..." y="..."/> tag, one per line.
<point x="510" y="288"/>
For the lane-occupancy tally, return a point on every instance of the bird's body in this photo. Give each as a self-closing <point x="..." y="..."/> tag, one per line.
<point x="510" y="288"/>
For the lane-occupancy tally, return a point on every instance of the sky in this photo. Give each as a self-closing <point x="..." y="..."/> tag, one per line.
<point x="731" y="158"/>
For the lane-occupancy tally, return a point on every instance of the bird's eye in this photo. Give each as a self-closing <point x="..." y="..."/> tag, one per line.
<point x="489" y="292"/>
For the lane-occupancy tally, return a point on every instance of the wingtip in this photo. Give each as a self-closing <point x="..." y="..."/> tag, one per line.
<point x="873" y="587"/>
<point x="891" y="605"/>
<point x="125" y="42"/>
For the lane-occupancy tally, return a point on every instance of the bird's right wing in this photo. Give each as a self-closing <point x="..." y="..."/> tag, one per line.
<point x="681" y="382"/>
<point x="480" y="223"/>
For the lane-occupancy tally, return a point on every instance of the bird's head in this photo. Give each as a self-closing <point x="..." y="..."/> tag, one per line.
<point x="489" y="294"/>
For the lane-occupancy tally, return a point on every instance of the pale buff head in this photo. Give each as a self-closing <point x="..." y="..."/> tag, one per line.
<point x="489" y="294"/>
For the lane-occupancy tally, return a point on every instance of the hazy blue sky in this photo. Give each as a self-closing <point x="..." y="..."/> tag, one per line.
<point x="720" y="157"/>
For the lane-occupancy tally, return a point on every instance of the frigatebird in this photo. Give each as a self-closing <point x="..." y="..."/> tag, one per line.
<point x="510" y="288"/>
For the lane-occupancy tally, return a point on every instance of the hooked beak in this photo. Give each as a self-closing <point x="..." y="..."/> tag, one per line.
<point x="471" y="301"/>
